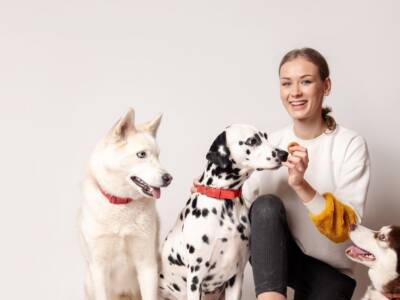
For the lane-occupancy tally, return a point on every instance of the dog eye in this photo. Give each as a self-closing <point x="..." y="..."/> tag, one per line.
<point x="382" y="237"/>
<point x="251" y="141"/>
<point x="141" y="154"/>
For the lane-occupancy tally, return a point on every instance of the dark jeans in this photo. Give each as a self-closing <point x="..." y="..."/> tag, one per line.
<point x="278" y="262"/>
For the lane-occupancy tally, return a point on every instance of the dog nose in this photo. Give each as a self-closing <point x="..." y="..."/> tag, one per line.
<point x="353" y="227"/>
<point x="282" y="155"/>
<point x="167" y="178"/>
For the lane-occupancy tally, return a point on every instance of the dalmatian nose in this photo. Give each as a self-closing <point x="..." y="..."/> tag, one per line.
<point x="167" y="178"/>
<point x="282" y="155"/>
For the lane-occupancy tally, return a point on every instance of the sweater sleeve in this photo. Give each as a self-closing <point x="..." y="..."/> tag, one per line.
<point x="332" y="213"/>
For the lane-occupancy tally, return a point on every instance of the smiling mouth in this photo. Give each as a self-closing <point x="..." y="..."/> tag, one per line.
<point x="147" y="189"/>
<point x="298" y="103"/>
<point x="359" y="254"/>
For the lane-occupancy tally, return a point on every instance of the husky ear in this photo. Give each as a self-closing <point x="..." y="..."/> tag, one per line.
<point x="153" y="125"/>
<point x="125" y="124"/>
<point x="219" y="152"/>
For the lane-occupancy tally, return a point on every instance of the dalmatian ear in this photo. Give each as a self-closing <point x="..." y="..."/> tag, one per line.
<point x="219" y="152"/>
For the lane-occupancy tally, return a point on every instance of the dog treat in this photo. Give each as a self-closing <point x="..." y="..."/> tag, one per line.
<point x="291" y="144"/>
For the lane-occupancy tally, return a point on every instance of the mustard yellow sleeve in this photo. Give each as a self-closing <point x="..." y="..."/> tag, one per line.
<point x="334" y="221"/>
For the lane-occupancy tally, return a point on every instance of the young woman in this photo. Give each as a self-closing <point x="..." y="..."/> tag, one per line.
<point x="300" y="224"/>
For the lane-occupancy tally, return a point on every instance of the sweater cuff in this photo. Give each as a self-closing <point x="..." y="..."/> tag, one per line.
<point x="316" y="205"/>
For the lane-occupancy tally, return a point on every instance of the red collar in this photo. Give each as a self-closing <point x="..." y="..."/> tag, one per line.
<point x="217" y="193"/>
<point x="114" y="199"/>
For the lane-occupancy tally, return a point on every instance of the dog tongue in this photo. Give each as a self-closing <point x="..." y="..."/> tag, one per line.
<point x="156" y="192"/>
<point x="356" y="251"/>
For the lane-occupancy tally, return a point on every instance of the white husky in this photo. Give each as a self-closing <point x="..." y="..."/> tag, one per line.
<point x="118" y="221"/>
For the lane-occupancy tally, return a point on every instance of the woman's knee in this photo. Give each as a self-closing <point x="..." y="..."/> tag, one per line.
<point x="267" y="207"/>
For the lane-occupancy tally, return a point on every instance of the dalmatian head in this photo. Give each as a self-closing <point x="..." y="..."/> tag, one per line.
<point x="244" y="147"/>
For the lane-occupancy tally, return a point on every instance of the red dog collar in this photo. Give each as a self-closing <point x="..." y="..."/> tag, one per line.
<point x="114" y="199"/>
<point x="217" y="193"/>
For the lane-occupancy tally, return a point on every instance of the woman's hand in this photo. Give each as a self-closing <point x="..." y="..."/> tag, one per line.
<point x="297" y="164"/>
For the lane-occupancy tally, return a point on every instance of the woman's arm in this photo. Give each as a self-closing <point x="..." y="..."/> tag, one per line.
<point x="332" y="213"/>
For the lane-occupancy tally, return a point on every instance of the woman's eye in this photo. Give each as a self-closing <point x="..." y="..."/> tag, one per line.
<point x="305" y="82"/>
<point x="285" y="83"/>
<point x="141" y="154"/>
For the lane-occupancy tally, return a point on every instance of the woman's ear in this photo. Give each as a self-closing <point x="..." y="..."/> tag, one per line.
<point x="327" y="86"/>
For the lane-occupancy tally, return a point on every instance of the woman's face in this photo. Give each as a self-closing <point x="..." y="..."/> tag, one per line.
<point x="302" y="89"/>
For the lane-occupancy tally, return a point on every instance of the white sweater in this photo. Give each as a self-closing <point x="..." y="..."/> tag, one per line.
<point x="339" y="164"/>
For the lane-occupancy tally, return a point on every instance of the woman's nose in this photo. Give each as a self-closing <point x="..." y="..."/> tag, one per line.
<point x="296" y="90"/>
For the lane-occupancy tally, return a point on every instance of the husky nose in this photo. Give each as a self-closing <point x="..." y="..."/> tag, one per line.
<point x="282" y="155"/>
<point x="167" y="178"/>
<point x="353" y="227"/>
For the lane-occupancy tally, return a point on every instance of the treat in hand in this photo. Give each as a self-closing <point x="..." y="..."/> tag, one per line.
<point x="291" y="144"/>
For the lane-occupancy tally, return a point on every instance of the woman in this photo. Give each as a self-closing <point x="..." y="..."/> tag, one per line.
<point x="299" y="228"/>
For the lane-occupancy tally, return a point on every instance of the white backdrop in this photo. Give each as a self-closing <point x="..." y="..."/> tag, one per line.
<point x="69" y="69"/>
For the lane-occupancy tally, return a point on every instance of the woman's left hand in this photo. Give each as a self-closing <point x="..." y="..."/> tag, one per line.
<point x="297" y="164"/>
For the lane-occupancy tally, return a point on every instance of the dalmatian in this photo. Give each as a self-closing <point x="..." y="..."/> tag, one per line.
<point x="208" y="247"/>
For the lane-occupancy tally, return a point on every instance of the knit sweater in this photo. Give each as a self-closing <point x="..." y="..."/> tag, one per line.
<point x="339" y="171"/>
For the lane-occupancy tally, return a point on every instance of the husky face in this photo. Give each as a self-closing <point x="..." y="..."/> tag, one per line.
<point x="127" y="162"/>
<point x="250" y="148"/>
<point x="378" y="250"/>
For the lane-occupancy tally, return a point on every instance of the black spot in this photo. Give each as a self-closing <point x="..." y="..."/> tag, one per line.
<point x="187" y="212"/>
<point x="199" y="260"/>
<point x="188" y="202"/>
<point x="207" y="264"/>
<point x="196" y="212"/>
<point x="244" y="219"/>
<point x="213" y="266"/>
<point x="266" y="136"/>
<point x="209" y="166"/>
<point x="240" y="143"/>
<point x="204" y="212"/>
<point x="205" y="239"/>
<point x="240" y="228"/>
<point x="176" y="287"/>
<point x="221" y="223"/>
<point x="181" y="217"/>
<point x="191" y="249"/>
<point x="193" y="287"/>
<point x="248" y="152"/>
<point x="209" y="181"/>
<point x="231" y="281"/>
<point x="195" y="280"/>
<point x="194" y="203"/>
<point x="196" y="268"/>
<point x="224" y="240"/>
<point x="243" y="237"/>
<point x="228" y="204"/>
<point x="161" y="276"/>
<point x="214" y="210"/>
<point x="184" y="279"/>
<point x="209" y="278"/>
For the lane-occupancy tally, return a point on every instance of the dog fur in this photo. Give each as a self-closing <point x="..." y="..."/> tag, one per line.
<point x="208" y="247"/>
<point x="380" y="252"/>
<point x="120" y="242"/>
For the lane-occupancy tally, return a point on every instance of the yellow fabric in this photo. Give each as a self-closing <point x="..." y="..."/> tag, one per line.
<point x="334" y="221"/>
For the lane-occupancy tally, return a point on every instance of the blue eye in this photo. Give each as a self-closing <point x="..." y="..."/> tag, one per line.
<point x="141" y="154"/>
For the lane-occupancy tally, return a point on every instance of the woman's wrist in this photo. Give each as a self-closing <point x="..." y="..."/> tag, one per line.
<point x="304" y="190"/>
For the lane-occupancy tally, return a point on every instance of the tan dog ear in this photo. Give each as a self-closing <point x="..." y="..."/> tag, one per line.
<point x="152" y="126"/>
<point x="125" y="124"/>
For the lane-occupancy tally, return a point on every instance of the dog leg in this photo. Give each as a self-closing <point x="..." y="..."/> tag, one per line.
<point x="193" y="287"/>
<point x="147" y="273"/>
<point x="100" y="281"/>
<point x="233" y="289"/>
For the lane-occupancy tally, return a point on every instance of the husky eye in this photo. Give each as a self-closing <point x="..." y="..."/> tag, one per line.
<point x="141" y="154"/>
<point x="382" y="237"/>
